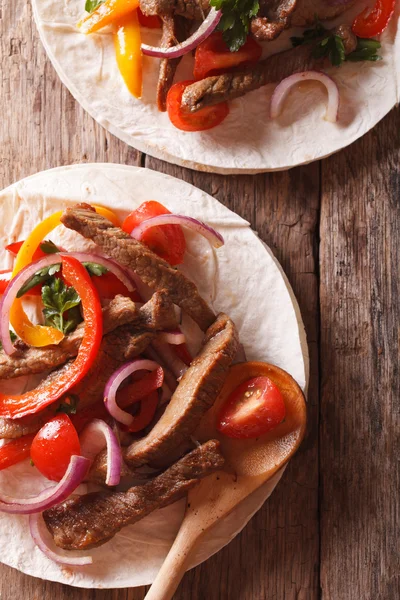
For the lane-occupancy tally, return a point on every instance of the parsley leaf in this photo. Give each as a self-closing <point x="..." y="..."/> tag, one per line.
<point x="95" y="269"/>
<point x="91" y="5"/>
<point x="366" y="50"/>
<point x="48" y="247"/>
<point x="13" y="338"/>
<point x="59" y="299"/>
<point x="40" y="277"/>
<point x="235" y="20"/>
<point x="310" y="35"/>
<point x="331" y="47"/>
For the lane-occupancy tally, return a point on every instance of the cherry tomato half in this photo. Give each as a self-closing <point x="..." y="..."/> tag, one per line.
<point x="372" y="22"/>
<point x="213" y="56"/>
<point x="167" y="241"/>
<point x="203" y="119"/>
<point x="53" y="446"/>
<point x="254" y="408"/>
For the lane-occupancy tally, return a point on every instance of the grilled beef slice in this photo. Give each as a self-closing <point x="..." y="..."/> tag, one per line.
<point x="117" y="347"/>
<point x="174" y="30"/>
<point x="190" y="9"/>
<point x="90" y="520"/>
<point x="152" y="270"/>
<point x="158" y="313"/>
<point x="275" y="68"/>
<point x="195" y="394"/>
<point x="307" y="10"/>
<point x="274" y="16"/>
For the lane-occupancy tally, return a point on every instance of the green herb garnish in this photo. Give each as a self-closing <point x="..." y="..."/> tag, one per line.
<point x="91" y="5"/>
<point x="41" y="276"/>
<point x="95" y="269"/>
<point x="366" y="50"/>
<point x="58" y="300"/>
<point x="235" y="20"/>
<point x="48" y="247"/>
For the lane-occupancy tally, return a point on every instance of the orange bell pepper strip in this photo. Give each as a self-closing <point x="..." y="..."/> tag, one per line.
<point x="39" y="335"/>
<point x="106" y="13"/>
<point x="16" y="406"/>
<point x="127" y="41"/>
<point x="15" y="451"/>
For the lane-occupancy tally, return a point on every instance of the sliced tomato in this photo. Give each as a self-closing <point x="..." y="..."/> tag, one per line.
<point x="254" y="408"/>
<point x="147" y="410"/>
<point x="15" y="451"/>
<point x="53" y="446"/>
<point x="151" y="21"/>
<point x="109" y="286"/>
<point x="167" y="241"/>
<point x="372" y="22"/>
<point x="203" y="119"/>
<point x="213" y="56"/>
<point x="183" y="353"/>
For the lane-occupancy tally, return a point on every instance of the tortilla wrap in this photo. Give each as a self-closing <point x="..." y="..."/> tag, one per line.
<point x="247" y="141"/>
<point x="242" y="278"/>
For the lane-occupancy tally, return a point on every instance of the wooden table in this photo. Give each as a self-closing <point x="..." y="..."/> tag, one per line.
<point x="331" y="528"/>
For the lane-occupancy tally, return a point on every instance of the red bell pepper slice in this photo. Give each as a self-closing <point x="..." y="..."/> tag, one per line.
<point x="31" y="402"/>
<point x="14" y="248"/>
<point x="148" y="407"/>
<point x="15" y="451"/>
<point x="370" y="23"/>
<point x="213" y="56"/>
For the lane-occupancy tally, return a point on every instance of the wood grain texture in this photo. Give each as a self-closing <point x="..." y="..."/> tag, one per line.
<point x="277" y="556"/>
<point x="360" y="425"/>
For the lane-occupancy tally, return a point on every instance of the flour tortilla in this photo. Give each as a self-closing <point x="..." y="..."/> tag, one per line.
<point x="248" y="141"/>
<point x="242" y="278"/>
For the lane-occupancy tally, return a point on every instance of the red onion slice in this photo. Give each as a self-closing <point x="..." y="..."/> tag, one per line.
<point x="173" y="362"/>
<point x="38" y="533"/>
<point x="115" y="381"/>
<point x="202" y="33"/>
<point x="75" y="474"/>
<point x="169" y="377"/>
<point x="11" y="293"/>
<point x="175" y="337"/>
<point x="206" y="231"/>
<point x="96" y="435"/>
<point x="282" y="89"/>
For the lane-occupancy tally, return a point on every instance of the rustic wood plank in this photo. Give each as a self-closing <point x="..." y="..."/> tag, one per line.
<point x="360" y="425"/>
<point x="276" y="556"/>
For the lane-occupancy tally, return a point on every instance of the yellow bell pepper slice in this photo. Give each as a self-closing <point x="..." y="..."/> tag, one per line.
<point x="107" y="13"/>
<point x="128" y="42"/>
<point x="39" y="335"/>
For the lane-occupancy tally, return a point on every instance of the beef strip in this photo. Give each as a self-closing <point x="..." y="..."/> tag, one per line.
<point x="275" y="68"/>
<point x="91" y="520"/>
<point x="190" y="9"/>
<point x="153" y="270"/>
<point x="307" y="10"/>
<point x="117" y="347"/>
<point x="195" y="394"/>
<point x="274" y="16"/>
<point x="174" y="30"/>
<point x="158" y="313"/>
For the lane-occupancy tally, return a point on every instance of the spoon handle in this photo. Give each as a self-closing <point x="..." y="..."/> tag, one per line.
<point x="175" y="565"/>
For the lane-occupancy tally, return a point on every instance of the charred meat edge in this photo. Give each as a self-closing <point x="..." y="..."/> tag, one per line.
<point x="195" y="394"/>
<point x="174" y="30"/>
<point x="273" y="17"/>
<point x="128" y="252"/>
<point x="219" y="88"/>
<point x="190" y="9"/>
<point x="93" y="519"/>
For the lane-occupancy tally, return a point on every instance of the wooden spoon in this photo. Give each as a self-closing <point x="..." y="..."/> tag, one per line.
<point x="249" y="464"/>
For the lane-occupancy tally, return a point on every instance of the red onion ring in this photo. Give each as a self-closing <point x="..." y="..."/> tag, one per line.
<point x="202" y="33"/>
<point x="206" y="231"/>
<point x="97" y="435"/>
<point x="37" y="529"/>
<point x="75" y="474"/>
<point x="115" y="381"/>
<point x="109" y="264"/>
<point x="173" y="362"/>
<point x="174" y="337"/>
<point x="283" y="88"/>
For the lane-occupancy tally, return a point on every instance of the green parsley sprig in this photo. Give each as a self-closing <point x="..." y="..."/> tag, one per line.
<point x="235" y="20"/>
<point x="61" y="306"/>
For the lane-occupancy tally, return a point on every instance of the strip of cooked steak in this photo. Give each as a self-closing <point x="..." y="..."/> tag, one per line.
<point x="307" y="10"/>
<point x="195" y="394"/>
<point x="90" y="520"/>
<point x="117" y="347"/>
<point x="273" y="17"/>
<point x="174" y="30"/>
<point x="157" y="314"/>
<point x="275" y="68"/>
<point x="152" y="270"/>
<point x="190" y="9"/>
